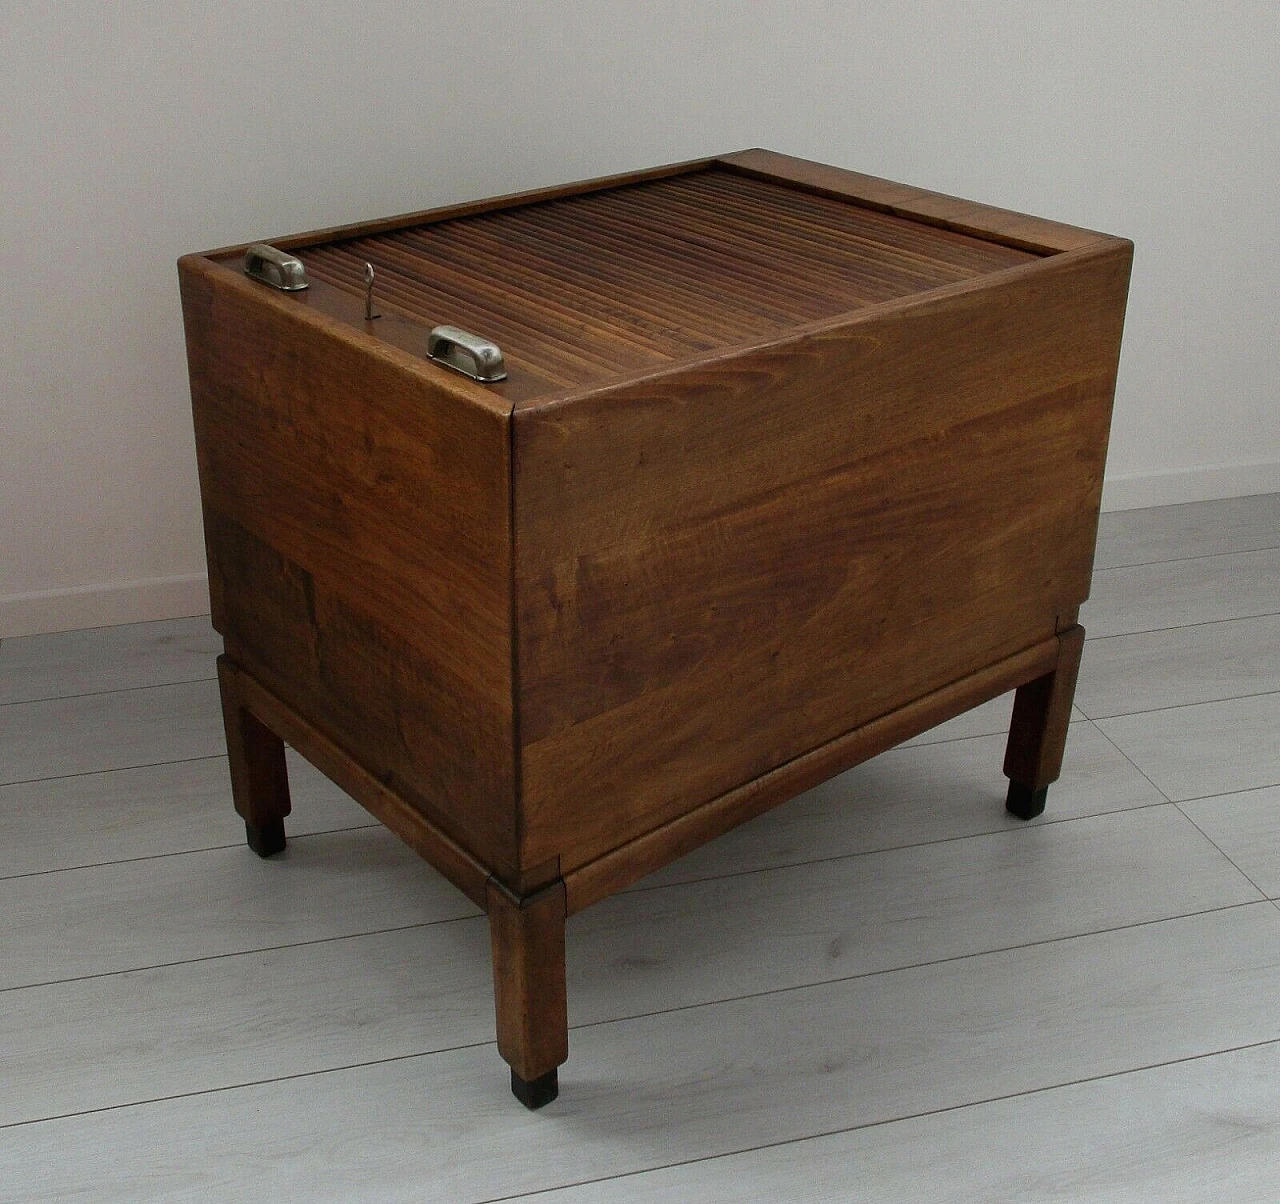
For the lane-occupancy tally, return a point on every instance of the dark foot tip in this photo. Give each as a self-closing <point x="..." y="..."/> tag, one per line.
<point x="266" y="840"/>
<point x="1024" y="802"/>
<point x="534" y="1093"/>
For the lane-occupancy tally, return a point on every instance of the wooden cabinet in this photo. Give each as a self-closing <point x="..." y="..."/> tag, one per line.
<point x="788" y="464"/>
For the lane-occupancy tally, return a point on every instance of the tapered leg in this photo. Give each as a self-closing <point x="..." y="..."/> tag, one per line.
<point x="1038" y="733"/>
<point x="529" y="987"/>
<point x="259" y="778"/>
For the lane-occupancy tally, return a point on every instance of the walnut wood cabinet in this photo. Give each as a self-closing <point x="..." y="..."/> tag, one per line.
<point x="788" y="465"/>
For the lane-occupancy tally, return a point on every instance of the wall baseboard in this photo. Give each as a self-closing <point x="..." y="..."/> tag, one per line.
<point x="1139" y="490"/>
<point x="188" y="594"/>
<point x="104" y="605"/>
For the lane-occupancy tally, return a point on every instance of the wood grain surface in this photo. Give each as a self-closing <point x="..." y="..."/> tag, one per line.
<point x="357" y="518"/>
<point x="1041" y="713"/>
<point x="255" y="755"/>
<point x="387" y="804"/>
<point x="785" y="449"/>
<point x="618" y="868"/>
<point x="722" y="567"/>
<point x="1035" y="234"/>
<point x="581" y="289"/>
<point x="530" y="998"/>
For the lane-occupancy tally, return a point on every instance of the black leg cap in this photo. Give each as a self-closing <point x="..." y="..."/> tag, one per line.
<point x="266" y="840"/>
<point x="1024" y="802"/>
<point x="534" y="1093"/>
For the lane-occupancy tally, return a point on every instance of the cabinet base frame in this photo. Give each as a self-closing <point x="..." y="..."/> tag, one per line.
<point x="527" y="927"/>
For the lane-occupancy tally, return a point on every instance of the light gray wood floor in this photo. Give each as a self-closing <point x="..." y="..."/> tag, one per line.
<point x="885" y="990"/>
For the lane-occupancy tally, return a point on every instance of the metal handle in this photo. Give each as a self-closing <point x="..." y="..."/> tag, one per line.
<point x="466" y="353"/>
<point x="263" y="262"/>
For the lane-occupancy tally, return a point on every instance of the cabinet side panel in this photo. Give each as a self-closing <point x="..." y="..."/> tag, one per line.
<point x="358" y="528"/>
<point x="721" y="569"/>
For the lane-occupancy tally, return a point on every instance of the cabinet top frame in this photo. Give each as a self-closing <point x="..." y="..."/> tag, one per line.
<point x="552" y="368"/>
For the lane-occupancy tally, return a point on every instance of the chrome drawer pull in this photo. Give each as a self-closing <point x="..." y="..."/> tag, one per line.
<point x="263" y="262"/>
<point x="466" y="353"/>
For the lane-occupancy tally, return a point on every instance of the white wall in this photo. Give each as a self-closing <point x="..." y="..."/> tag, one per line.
<point x="134" y="132"/>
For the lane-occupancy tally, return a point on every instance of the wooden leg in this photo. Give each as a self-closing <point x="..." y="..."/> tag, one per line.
<point x="1038" y="733"/>
<point x="259" y="778"/>
<point x="529" y="987"/>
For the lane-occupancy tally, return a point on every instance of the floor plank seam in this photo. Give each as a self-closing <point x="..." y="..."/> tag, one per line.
<point x="155" y="685"/>
<point x="408" y="1057"/>
<point x="1139" y="564"/>
<point x="1227" y="856"/>
<point x="349" y="936"/>
<point x="88" y="773"/>
<point x="938" y="961"/>
<point x="1132" y="762"/>
<point x="211" y="848"/>
<point x="889" y="1120"/>
<point x="1179" y="706"/>
<point x="1263" y="614"/>
<point x="281" y="1078"/>
<point x="1200" y="798"/>
<point x="213" y="957"/>
<point x="1114" y="568"/>
<point x="1120" y="635"/>
<point x="1041" y="821"/>
<point x="44" y="635"/>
